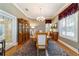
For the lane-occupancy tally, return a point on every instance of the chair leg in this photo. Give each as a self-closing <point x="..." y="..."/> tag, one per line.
<point x="46" y="52"/>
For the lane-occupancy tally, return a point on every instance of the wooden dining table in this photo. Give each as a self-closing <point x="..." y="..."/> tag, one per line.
<point x="34" y="38"/>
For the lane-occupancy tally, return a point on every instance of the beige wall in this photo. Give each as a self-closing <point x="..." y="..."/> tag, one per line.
<point x="69" y="42"/>
<point x="55" y="20"/>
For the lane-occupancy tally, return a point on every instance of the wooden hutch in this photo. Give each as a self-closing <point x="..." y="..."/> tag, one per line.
<point x="23" y="31"/>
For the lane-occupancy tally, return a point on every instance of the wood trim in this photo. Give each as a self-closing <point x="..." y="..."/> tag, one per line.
<point x="68" y="47"/>
<point x="48" y="21"/>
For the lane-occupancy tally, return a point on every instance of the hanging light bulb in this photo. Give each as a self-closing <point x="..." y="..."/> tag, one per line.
<point x="41" y="18"/>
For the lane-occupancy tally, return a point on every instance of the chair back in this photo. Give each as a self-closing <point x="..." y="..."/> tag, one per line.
<point x="41" y="39"/>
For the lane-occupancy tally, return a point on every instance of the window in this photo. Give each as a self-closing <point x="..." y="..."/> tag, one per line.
<point x="68" y="27"/>
<point x="48" y="27"/>
<point x="62" y="27"/>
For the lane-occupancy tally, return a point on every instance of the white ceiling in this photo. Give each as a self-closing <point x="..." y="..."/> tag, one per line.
<point x="12" y="9"/>
<point x="47" y="9"/>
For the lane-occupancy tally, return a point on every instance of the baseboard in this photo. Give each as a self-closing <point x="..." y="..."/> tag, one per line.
<point x="70" y="47"/>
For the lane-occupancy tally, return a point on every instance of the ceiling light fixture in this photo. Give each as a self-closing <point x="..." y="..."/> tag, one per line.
<point x="40" y="18"/>
<point x="26" y="9"/>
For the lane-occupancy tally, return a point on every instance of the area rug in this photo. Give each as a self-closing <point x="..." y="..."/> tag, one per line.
<point x="30" y="50"/>
<point x="55" y="50"/>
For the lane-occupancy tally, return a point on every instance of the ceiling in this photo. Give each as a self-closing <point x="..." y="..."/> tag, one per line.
<point x="13" y="10"/>
<point x="32" y="10"/>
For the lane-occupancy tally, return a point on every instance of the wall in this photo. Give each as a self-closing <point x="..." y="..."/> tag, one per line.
<point x="55" y="20"/>
<point x="41" y="26"/>
<point x="69" y="42"/>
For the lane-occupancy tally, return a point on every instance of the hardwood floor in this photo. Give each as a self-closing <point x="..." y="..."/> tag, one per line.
<point x="12" y="50"/>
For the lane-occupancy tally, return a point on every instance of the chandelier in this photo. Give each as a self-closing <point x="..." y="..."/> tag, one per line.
<point x="40" y="18"/>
